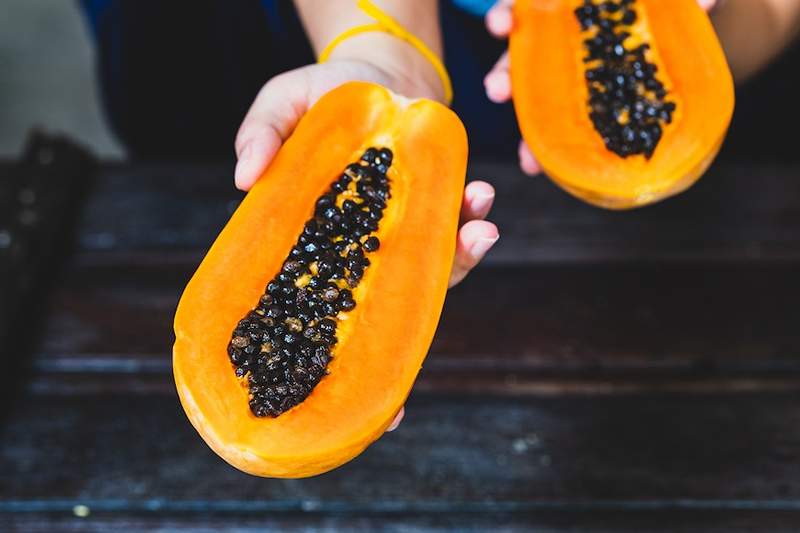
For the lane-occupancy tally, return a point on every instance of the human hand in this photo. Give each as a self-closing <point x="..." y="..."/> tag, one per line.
<point x="285" y="99"/>
<point x="475" y="237"/>
<point x="280" y="104"/>
<point x="499" y="21"/>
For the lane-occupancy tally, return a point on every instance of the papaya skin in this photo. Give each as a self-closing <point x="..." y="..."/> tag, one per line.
<point x="384" y="340"/>
<point x="550" y="95"/>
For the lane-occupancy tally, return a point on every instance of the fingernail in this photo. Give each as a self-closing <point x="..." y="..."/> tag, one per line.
<point x="482" y="202"/>
<point x="504" y="18"/>
<point x="241" y="164"/>
<point x="497" y="87"/>
<point x="498" y="18"/>
<point x="491" y="87"/>
<point x="528" y="164"/>
<point x="482" y="246"/>
<point x="397" y="419"/>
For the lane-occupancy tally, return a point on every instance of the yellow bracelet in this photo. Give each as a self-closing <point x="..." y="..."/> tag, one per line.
<point x="387" y="24"/>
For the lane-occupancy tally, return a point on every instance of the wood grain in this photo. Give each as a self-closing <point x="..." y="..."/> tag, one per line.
<point x="456" y="453"/>
<point x="600" y="372"/>
<point x="593" y="519"/>
<point x="735" y="213"/>
<point x="537" y="330"/>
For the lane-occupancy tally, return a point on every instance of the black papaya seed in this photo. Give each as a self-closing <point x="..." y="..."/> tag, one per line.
<point x="626" y="98"/>
<point x="283" y="346"/>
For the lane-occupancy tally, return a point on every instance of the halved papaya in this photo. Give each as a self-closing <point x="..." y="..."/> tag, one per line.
<point x="623" y="102"/>
<point x="302" y="331"/>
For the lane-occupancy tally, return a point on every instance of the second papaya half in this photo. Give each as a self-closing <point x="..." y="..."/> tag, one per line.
<point x="623" y="102"/>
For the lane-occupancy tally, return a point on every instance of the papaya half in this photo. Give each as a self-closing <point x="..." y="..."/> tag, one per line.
<point x="623" y="102"/>
<point x="302" y="331"/>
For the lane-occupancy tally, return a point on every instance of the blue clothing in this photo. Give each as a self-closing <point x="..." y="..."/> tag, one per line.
<point x="476" y="7"/>
<point x="177" y="77"/>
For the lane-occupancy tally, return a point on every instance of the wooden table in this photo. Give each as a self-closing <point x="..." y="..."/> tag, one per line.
<point x="600" y="371"/>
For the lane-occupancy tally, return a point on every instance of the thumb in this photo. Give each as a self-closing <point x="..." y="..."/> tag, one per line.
<point x="269" y="122"/>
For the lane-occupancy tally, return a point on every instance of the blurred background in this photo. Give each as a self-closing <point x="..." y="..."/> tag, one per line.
<point x="48" y="63"/>
<point x="600" y="371"/>
<point x="48" y="77"/>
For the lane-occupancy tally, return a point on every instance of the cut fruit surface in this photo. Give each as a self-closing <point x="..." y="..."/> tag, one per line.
<point x="623" y="102"/>
<point x="239" y="381"/>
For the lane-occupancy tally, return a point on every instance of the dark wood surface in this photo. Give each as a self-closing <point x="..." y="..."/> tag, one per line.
<point x="454" y="456"/>
<point x="602" y="371"/>
<point x="507" y="330"/>
<point x="735" y="214"/>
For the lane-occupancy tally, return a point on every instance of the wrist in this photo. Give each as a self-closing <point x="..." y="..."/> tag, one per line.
<point x="403" y="68"/>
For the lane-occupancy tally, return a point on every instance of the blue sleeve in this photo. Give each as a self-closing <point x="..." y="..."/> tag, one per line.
<point x="475" y="7"/>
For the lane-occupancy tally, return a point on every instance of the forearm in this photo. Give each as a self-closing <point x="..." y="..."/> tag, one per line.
<point x="753" y="32"/>
<point x="410" y="72"/>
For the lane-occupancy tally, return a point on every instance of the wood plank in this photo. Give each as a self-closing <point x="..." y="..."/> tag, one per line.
<point x="735" y="213"/>
<point x="539" y="330"/>
<point x="596" y="520"/>
<point x="457" y="454"/>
